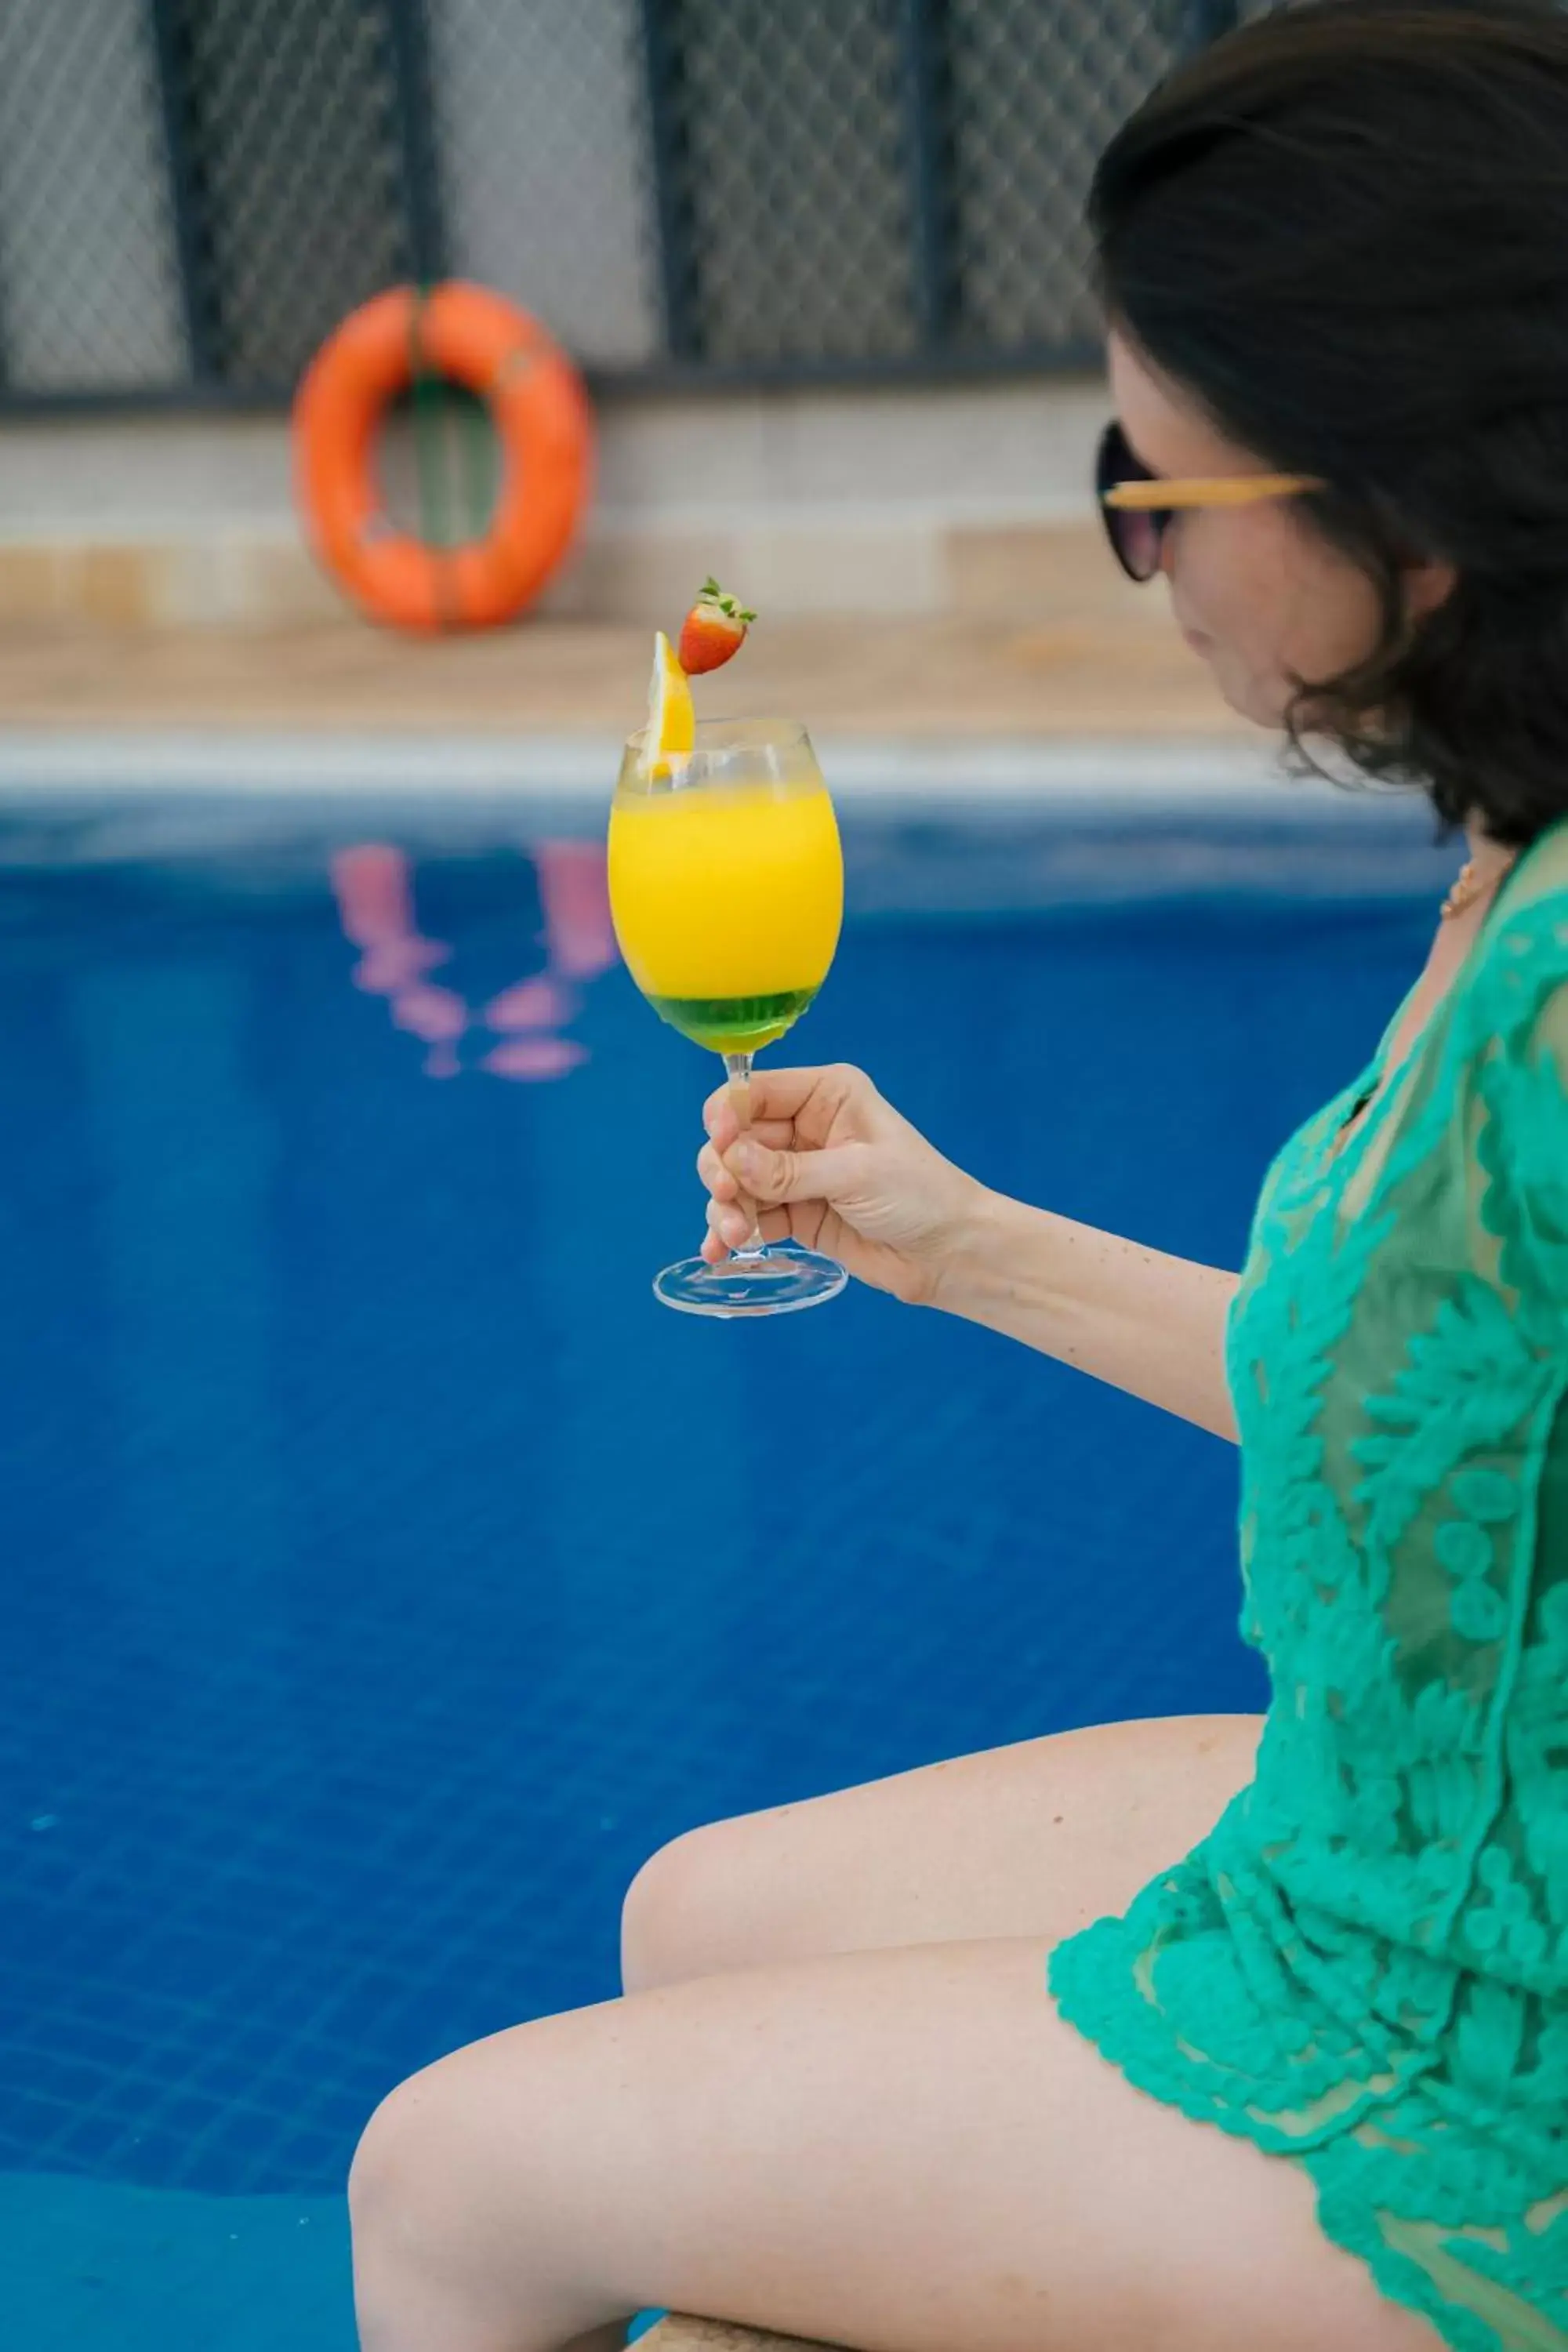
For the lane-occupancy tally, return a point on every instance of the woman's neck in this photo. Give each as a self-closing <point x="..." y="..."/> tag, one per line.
<point x="1490" y="859"/>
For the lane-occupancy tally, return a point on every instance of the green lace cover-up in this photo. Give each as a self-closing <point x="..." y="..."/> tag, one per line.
<point x="1364" y="1965"/>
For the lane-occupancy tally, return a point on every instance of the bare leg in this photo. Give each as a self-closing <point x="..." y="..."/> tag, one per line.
<point x="1033" y="1839"/>
<point x="906" y="2150"/>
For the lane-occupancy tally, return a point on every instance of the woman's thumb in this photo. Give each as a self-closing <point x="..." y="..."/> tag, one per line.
<point x="775" y="1177"/>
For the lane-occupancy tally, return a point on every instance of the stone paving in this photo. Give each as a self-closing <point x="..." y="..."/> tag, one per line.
<point x="1101" y="674"/>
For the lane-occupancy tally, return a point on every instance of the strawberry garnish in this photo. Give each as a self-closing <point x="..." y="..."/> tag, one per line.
<point x="714" y="629"/>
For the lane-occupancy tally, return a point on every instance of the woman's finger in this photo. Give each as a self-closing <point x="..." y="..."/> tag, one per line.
<point x="774" y="1095"/>
<point x="715" y="1175"/>
<point x="730" y="1226"/>
<point x="772" y="1134"/>
<point x="778" y="1134"/>
<point x="728" y="1223"/>
<point x="775" y="1137"/>
<point x="779" y="1176"/>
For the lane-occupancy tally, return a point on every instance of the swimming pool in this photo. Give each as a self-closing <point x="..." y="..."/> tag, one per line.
<point x="387" y="1574"/>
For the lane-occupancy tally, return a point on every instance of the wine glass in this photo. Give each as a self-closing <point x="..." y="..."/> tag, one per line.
<point x="727" y="893"/>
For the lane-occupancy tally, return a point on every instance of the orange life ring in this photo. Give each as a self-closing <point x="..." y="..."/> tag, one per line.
<point x="541" y="415"/>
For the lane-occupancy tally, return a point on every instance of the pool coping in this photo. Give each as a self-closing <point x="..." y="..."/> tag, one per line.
<point x="49" y="764"/>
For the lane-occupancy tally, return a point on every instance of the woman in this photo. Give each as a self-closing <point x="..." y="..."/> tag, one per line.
<point x="939" y="2062"/>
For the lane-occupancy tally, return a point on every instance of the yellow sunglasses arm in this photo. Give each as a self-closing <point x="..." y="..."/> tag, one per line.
<point x="1219" y="490"/>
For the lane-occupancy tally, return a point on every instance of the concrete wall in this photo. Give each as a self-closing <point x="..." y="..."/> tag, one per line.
<point x="894" y="500"/>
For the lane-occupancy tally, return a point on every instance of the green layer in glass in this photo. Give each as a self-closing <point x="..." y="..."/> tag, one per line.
<point x="734" y="1024"/>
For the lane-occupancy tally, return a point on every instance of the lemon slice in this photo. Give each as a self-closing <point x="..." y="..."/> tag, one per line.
<point x="671" y="721"/>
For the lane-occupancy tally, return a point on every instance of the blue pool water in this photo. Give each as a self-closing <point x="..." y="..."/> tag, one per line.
<point x="385" y="1574"/>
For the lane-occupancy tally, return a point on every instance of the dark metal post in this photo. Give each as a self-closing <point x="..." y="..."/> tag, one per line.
<point x="922" y="39"/>
<point x="409" y="41"/>
<point x="203" y="329"/>
<point x="666" y="137"/>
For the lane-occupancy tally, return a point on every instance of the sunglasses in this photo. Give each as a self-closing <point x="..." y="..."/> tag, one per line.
<point x="1137" y="506"/>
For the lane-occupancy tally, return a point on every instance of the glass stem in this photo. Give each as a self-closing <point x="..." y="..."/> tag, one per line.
<point x="738" y="1068"/>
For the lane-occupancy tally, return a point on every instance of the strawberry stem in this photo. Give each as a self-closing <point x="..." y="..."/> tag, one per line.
<point x="722" y="601"/>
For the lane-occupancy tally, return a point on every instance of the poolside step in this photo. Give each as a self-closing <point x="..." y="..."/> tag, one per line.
<point x="679" y="2331"/>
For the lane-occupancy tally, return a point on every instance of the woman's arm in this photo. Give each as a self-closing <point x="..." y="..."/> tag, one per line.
<point x="830" y="1163"/>
<point x="1148" y="1323"/>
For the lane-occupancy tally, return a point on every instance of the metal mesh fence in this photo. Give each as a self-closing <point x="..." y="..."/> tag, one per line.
<point x="796" y="183"/>
<point x="193" y="192"/>
<point x="542" y="132"/>
<point x="1037" y="92"/>
<point x="88" y="284"/>
<point x="291" y="128"/>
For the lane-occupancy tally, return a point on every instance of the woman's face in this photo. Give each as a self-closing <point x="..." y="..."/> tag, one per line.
<point x="1255" y="590"/>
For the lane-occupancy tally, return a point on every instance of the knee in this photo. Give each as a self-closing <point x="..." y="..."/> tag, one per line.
<point x="413" y="2207"/>
<point x="384" y="2172"/>
<point x="418" y="2261"/>
<point x="668" y="1922"/>
<point x="380" y="2198"/>
<point x="405" y="2180"/>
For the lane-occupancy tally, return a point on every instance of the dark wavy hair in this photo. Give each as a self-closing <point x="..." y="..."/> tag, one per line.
<point x="1345" y="230"/>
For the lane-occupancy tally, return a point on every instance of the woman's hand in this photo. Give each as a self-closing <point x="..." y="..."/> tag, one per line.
<point x="837" y="1169"/>
<point x="829" y="1163"/>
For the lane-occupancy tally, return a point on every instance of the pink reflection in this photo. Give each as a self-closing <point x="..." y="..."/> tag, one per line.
<point x="374" y="886"/>
<point x="537" y="1003"/>
<point x="576" y="907"/>
<point x="534" y="1058"/>
<point x="376" y="910"/>
<point x="433" y="1013"/>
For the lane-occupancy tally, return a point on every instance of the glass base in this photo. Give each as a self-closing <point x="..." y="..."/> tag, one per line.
<point x="777" y="1281"/>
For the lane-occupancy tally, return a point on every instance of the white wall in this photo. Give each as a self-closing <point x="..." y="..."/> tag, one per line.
<point x="992" y="452"/>
<point x="803" y="501"/>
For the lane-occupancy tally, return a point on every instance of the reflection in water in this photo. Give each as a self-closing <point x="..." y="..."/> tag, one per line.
<point x="373" y="884"/>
